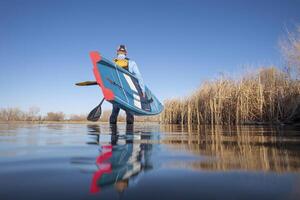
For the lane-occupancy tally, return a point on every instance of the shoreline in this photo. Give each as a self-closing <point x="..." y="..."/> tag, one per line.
<point x="67" y="122"/>
<point x="149" y="122"/>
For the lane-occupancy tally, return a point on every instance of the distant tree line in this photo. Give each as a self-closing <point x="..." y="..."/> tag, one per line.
<point x="33" y="115"/>
<point x="16" y="114"/>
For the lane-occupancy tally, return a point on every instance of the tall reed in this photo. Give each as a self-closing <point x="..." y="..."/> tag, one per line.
<point x="268" y="95"/>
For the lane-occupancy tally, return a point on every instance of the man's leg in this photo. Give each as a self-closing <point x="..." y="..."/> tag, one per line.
<point x="114" y="114"/>
<point x="129" y="118"/>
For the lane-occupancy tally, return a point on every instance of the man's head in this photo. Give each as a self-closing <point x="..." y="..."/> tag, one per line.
<point x="122" y="50"/>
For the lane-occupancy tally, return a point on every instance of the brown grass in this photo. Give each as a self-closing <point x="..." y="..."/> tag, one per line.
<point x="269" y="95"/>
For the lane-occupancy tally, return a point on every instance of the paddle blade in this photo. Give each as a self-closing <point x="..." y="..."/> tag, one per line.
<point x="86" y="83"/>
<point x="95" y="114"/>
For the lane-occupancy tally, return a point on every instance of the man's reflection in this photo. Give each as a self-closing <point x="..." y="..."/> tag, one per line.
<point x="120" y="160"/>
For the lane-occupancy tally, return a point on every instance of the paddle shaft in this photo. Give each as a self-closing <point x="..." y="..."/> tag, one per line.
<point x="101" y="101"/>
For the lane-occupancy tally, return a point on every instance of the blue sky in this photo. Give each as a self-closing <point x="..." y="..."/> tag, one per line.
<point x="45" y="45"/>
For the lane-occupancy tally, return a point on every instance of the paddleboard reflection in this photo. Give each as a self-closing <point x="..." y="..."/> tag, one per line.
<point x="121" y="158"/>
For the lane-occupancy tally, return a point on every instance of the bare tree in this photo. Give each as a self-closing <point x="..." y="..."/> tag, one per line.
<point x="55" y="116"/>
<point x="32" y="114"/>
<point x="76" y="117"/>
<point x="3" y="114"/>
<point x="290" y="48"/>
<point x="11" y="114"/>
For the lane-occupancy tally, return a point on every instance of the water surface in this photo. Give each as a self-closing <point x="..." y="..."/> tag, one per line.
<point x="148" y="161"/>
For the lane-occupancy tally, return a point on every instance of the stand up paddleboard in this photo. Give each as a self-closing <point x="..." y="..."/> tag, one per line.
<point x="121" y="88"/>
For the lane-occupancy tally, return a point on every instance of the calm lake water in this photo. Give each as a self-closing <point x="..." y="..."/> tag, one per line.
<point x="77" y="161"/>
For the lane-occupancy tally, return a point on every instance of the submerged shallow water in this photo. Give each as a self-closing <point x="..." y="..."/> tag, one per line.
<point x="75" y="161"/>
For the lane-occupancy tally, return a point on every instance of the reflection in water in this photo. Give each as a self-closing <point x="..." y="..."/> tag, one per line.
<point x="122" y="158"/>
<point x="75" y="161"/>
<point x="240" y="147"/>
<point x="126" y="153"/>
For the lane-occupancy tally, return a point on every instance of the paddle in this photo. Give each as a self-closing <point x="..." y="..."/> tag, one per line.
<point x="95" y="113"/>
<point x="86" y="83"/>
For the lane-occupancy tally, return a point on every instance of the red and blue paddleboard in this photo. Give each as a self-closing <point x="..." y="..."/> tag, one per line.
<point x="121" y="88"/>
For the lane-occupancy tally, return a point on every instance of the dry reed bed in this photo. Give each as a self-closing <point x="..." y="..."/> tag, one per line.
<point x="266" y="96"/>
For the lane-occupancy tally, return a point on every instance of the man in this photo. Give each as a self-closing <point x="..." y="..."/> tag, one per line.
<point x="132" y="67"/>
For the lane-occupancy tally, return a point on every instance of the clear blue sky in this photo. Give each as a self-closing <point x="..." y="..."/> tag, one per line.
<point x="45" y="45"/>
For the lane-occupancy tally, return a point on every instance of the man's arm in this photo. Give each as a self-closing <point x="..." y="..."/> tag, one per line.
<point x="133" y="68"/>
